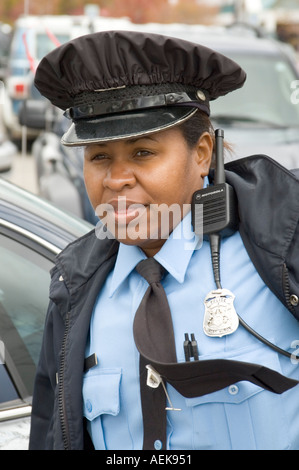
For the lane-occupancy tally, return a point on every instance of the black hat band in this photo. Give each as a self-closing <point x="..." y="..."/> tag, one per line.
<point x="196" y="98"/>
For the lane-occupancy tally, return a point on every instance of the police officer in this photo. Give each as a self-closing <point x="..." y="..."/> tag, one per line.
<point x="144" y="347"/>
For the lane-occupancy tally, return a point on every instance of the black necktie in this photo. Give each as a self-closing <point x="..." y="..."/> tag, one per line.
<point x="153" y="330"/>
<point x="154" y="338"/>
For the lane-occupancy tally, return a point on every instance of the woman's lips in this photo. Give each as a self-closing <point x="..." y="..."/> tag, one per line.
<point x="125" y="211"/>
<point x="124" y="217"/>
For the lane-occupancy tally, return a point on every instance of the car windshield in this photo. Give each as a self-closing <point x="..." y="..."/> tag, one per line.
<point x="28" y="44"/>
<point x="265" y="98"/>
<point x="46" y="42"/>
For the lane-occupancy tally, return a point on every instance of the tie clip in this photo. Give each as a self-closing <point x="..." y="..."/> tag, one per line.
<point x="153" y="380"/>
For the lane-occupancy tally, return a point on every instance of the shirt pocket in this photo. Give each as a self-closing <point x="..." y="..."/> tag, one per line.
<point x="101" y="393"/>
<point x="242" y="416"/>
<point x="101" y="396"/>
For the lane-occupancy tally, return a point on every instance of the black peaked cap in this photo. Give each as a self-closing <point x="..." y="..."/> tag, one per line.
<point x="106" y="74"/>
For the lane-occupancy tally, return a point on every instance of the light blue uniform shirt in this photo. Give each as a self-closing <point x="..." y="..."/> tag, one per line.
<point x="241" y="416"/>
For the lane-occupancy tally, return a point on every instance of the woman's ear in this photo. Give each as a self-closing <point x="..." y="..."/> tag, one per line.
<point x="204" y="148"/>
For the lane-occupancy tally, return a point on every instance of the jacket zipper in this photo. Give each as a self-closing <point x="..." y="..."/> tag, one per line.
<point x="286" y="287"/>
<point x="61" y="400"/>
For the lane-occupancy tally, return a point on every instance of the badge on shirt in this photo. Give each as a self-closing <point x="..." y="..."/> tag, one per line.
<point x="220" y="317"/>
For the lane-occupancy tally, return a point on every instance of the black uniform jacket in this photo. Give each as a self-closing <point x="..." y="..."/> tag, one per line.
<point x="268" y="204"/>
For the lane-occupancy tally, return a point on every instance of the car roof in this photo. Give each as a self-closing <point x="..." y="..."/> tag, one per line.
<point x="242" y="38"/>
<point x="246" y="45"/>
<point x="224" y="38"/>
<point x="237" y="43"/>
<point x="36" y="215"/>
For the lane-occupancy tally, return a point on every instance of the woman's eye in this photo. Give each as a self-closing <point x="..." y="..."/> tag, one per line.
<point x="98" y="157"/>
<point x="143" y="153"/>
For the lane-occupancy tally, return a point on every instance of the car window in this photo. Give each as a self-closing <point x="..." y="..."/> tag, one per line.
<point x="265" y="97"/>
<point x="29" y="43"/>
<point x="7" y="389"/>
<point x="24" y="291"/>
<point x="45" y="43"/>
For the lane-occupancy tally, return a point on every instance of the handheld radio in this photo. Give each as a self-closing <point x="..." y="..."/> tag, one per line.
<point x="217" y="216"/>
<point x="219" y="207"/>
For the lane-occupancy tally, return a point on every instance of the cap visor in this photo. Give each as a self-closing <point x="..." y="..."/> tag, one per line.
<point x="125" y="125"/>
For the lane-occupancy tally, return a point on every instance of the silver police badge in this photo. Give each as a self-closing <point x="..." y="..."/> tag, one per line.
<point x="220" y="317"/>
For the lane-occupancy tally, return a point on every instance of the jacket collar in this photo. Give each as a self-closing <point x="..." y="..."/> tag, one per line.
<point x="79" y="261"/>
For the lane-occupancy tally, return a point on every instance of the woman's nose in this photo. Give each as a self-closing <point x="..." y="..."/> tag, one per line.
<point x="118" y="176"/>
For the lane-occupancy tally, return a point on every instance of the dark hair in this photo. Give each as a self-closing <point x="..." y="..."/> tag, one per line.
<point x="194" y="127"/>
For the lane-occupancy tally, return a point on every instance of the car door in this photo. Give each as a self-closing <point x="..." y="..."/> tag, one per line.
<point x="25" y="262"/>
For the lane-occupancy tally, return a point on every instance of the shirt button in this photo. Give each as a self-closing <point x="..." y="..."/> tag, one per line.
<point x="88" y="405"/>
<point x="158" y="444"/>
<point x="233" y="389"/>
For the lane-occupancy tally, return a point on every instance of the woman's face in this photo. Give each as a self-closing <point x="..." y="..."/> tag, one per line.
<point x="141" y="188"/>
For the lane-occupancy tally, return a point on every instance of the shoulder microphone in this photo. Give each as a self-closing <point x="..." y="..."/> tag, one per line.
<point x="218" y="212"/>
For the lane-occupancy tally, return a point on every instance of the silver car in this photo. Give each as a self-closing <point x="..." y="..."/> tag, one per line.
<point x="32" y="233"/>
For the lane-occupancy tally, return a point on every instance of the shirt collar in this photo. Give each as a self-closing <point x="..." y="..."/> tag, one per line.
<point x="127" y="258"/>
<point x="174" y="255"/>
<point x="178" y="249"/>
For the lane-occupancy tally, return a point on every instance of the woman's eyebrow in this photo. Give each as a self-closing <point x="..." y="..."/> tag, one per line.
<point x="136" y="139"/>
<point x="126" y="141"/>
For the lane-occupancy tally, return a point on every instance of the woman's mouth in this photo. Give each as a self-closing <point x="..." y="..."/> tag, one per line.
<point x="124" y="211"/>
<point x="124" y="217"/>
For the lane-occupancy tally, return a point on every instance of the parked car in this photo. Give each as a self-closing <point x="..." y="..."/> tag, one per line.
<point x="32" y="233"/>
<point x="33" y="37"/>
<point x="261" y="117"/>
